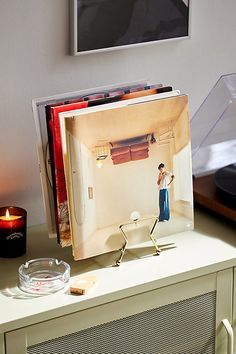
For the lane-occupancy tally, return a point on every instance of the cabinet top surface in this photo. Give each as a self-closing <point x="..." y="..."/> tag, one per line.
<point x="211" y="247"/>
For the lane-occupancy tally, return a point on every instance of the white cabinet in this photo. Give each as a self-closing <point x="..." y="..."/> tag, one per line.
<point x="171" y="304"/>
<point x="181" y="318"/>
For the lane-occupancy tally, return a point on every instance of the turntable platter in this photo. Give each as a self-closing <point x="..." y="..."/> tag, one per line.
<point x="225" y="180"/>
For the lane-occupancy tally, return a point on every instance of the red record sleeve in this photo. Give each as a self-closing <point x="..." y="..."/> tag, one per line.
<point x="60" y="181"/>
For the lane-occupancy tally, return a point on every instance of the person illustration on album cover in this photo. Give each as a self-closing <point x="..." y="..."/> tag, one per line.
<point x="164" y="181"/>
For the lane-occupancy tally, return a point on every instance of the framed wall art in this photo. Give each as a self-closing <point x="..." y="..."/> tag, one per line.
<point x="101" y="25"/>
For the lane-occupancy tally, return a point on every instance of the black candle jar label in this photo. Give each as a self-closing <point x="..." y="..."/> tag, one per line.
<point x="12" y="232"/>
<point x="14" y="236"/>
<point x="13" y="244"/>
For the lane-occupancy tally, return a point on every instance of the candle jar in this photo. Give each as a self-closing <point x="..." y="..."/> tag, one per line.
<point x="12" y="232"/>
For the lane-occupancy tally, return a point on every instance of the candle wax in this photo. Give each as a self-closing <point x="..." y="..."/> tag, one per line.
<point x="10" y="218"/>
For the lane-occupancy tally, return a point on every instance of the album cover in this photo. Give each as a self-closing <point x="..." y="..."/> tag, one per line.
<point x="127" y="158"/>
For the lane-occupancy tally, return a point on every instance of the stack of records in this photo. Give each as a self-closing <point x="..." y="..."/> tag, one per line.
<point x="101" y="155"/>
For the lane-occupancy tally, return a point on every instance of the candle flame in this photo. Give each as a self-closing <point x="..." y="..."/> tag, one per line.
<point x="7" y="215"/>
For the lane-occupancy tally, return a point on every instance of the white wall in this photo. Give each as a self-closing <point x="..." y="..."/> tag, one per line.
<point x="181" y="169"/>
<point x="86" y="169"/>
<point x="34" y="62"/>
<point x="121" y="189"/>
<point x="83" y="212"/>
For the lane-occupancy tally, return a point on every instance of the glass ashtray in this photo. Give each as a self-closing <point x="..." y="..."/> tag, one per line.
<point x="43" y="276"/>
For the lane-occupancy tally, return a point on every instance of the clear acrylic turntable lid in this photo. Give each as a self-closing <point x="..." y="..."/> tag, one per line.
<point x="213" y="128"/>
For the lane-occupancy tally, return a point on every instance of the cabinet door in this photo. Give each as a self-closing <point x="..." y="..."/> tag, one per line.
<point x="178" y="319"/>
<point x="224" y="310"/>
<point x="234" y="310"/>
<point x="2" y="350"/>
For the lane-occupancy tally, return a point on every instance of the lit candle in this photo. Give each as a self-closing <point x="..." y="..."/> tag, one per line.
<point x="9" y="217"/>
<point x="12" y="232"/>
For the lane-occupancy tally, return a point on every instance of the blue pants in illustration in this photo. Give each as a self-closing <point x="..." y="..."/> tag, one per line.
<point x="164" y="205"/>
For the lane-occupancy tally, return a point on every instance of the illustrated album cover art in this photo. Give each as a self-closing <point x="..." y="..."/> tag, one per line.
<point x="127" y="168"/>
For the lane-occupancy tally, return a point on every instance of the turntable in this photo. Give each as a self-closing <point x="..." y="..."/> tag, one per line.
<point x="213" y="129"/>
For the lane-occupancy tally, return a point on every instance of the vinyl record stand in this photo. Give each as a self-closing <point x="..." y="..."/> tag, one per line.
<point x="131" y="225"/>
